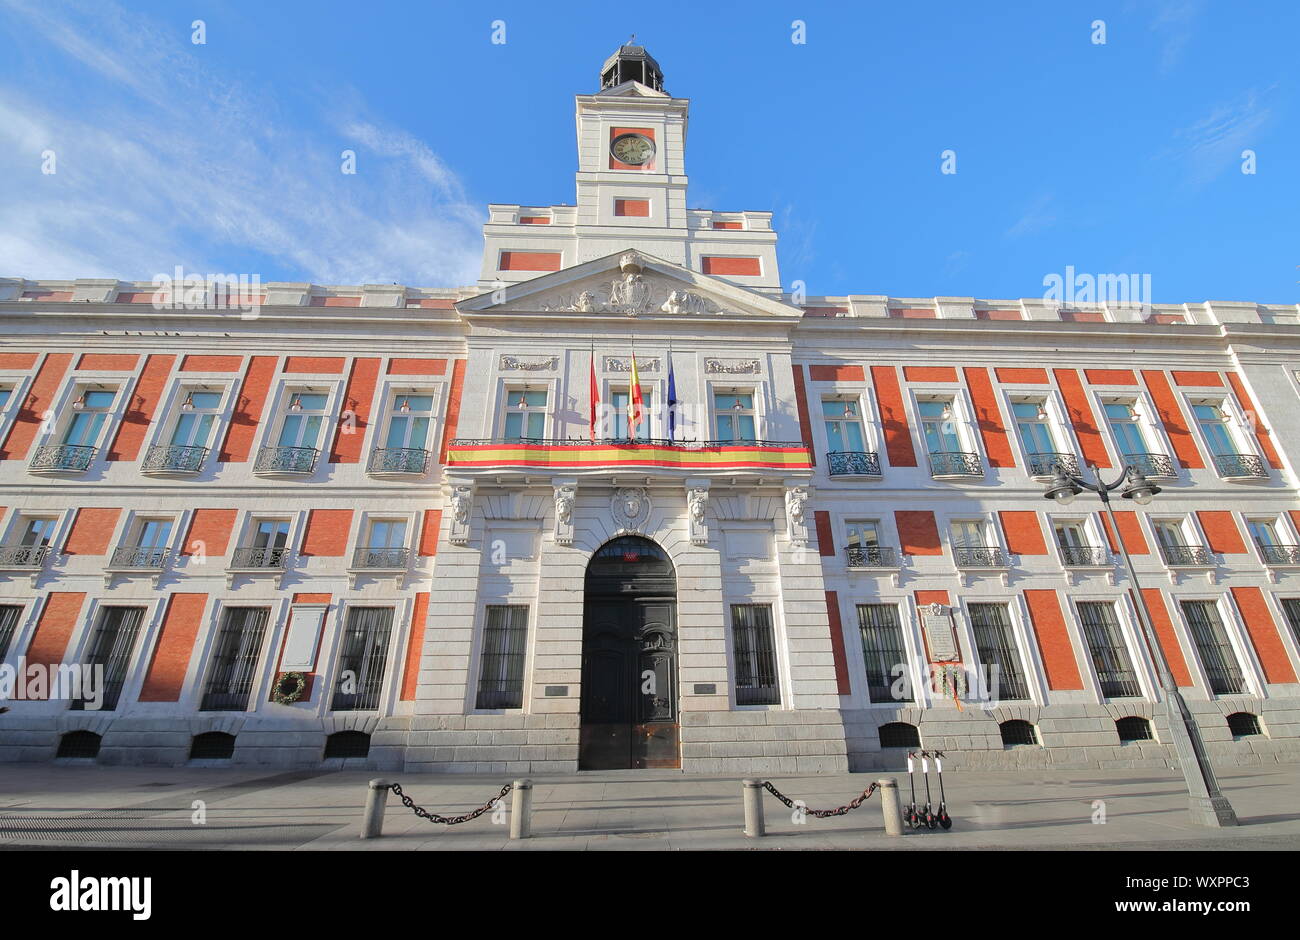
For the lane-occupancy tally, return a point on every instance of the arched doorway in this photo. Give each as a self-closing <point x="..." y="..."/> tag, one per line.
<point x="629" y="659"/>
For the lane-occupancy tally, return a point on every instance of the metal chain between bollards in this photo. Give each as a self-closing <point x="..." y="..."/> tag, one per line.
<point x="823" y="813"/>
<point x="448" y="820"/>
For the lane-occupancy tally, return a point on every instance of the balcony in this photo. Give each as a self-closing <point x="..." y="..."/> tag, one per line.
<point x="23" y="556"/>
<point x="873" y="557"/>
<point x="956" y="464"/>
<point x="399" y="461"/>
<point x="1187" y="556"/>
<point x="1047" y="465"/>
<point x="1151" y="465"/>
<point x="65" y="458"/>
<point x="173" y="458"/>
<point x="133" y="556"/>
<point x="286" y="460"/>
<point x="1280" y="554"/>
<point x="390" y="559"/>
<point x="246" y="559"/>
<point x="1240" y="467"/>
<point x="765" y="459"/>
<point x="1084" y="556"/>
<point x="850" y="463"/>
<point x="980" y="558"/>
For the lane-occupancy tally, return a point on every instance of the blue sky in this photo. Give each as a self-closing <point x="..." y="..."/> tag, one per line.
<point x="1115" y="158"/>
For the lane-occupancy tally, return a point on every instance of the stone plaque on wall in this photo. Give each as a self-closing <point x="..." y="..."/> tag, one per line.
<point x="940" y="634"/>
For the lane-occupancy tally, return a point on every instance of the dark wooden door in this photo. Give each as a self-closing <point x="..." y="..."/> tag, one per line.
<point x="629" y="684"/>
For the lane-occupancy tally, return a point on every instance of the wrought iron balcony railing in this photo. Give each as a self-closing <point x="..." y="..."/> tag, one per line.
<point x="177" y="458"/>
<point x="132" y="556"/>
<point x="1084" y="556"/>
<point x="953" y="464"/>
<point x="849" y="463"/>
<point x="398" y="460"/>
<point x="23" y="556"/>
<point x="1046" y="465"/>
<point x="62" y="457"/>
<point x="1151" y="465"/>
<point x="1240" y="466"/>
<point x="1190" y="556"/>
<point x="980" y="557"/>
<point x="380" y="557"/>
<point x="1280" y="554"/>
<point x="874" y="557"/>
<point x="286" y="460"/>
<point x="259" y="558"/>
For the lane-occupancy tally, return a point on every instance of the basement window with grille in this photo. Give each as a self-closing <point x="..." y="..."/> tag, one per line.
<point x="1134" y="728"/>
<point x="899" y="734"/>
<point x="1243" y="724"/>
<point x="79" y="744"/>
<point x="212" y="745"/>
<point x="1017" y="732"/>
<point x="347" y="744"/>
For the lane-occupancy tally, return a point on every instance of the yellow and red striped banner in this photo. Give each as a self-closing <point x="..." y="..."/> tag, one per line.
<point x="582" y="456"/>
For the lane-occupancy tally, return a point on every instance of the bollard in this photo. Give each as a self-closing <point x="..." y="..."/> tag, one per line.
<point x="891" y="806"/>
<point x="753" y="794"/>
<point x="372" y="824"/>
<point x="521" y="809"/>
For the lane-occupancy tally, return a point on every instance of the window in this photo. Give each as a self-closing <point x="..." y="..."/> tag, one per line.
<point x="996" y="646"/>
<point x="1126" y="427"/>
<point x="882" y="652"/>
<point x="269" y="547"/>
<point x="83" y="744"/>
<point x="501" y="668"/>
<point x="1212" y="645"/>
<point x="91" y="412"/>
<point x="148" y="548"/>
<point x="361" y="665"/>
<point x="1243" y="725"/>
<point x="1074" y="544"/>
<point x="406" y="446"/>
<point x="188" y="444"/>
<point x="970" y="545"/>
<point x="385" y="547"/>
<point x="234" y="660"/>
<point x="939" y="428"/>
<point x="346" y="744"/>
<point x="734" y="411"/>
<point x="6" y="392"/>
<point x="10" y="615"/>
<point x="1174" y="544"/>
<point x="1271" y="547"/>
<point x="755" y="650"/>
<point x="1018" y="732"/>
<point x="1110" y="658"/>
<point x="1225" y="449"/>
<point x="32" y="543"/>
<point x="111" y="647"/>
<point x="619" y="399"/>
<point x="1291" y="606"/>
<point x="1134" y="728"/>
<point x="525" y="414"/>
<point x="899" y="734"/>
<point x="301" y="427"/>
<point x="1038" y="439"/>
<point x="862" y="541"/>
<point x="212" y="745"/>
<point x="863" y="534"/>
<point x="843" y="425"/>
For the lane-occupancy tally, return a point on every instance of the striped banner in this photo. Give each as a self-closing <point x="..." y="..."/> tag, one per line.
<point x="559" y="456"/>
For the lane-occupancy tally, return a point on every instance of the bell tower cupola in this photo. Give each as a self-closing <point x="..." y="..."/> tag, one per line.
<point x="631" y="63"/>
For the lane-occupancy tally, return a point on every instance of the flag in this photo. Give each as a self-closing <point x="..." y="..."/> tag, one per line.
<point x="672" y="401"/>
<point x="634" y="402"/>
<point x="595" y="395"/>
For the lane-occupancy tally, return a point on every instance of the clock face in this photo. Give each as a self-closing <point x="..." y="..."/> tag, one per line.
<point x="632" y="149"/>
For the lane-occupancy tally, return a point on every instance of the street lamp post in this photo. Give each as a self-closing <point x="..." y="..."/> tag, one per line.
<point x="1208" y="806"/>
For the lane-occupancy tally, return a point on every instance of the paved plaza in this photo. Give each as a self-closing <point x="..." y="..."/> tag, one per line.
<point x="70" y="806"/>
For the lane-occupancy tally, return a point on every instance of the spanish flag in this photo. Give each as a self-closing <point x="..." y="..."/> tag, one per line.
<point x="634" y="409"/>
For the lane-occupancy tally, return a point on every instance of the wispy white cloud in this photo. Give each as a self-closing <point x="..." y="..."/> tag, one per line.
<point x="1034" y="219"/>
<point x="173" y="164"/>
<point x="1215" y="142"/>
<point x="1175" y="22"/>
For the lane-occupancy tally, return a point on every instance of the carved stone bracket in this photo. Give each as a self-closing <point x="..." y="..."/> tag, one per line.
<point x="697" y="509"/>
<point x="461" y="504"/>
<point x="796" y="502"/>
<point x="565" y="498"/>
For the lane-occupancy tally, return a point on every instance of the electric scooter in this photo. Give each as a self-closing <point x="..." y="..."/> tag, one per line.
<point x="931" y="820"/>
<point x="944" y="819"/>
<point x="912" y="816"/>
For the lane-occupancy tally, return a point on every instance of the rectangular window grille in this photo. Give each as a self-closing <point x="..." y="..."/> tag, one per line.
<point x="111" y="648"/>
<point x="1217" y="656"/>
<point x="882" y="651"/>
<point x="239" y="644"/>
<point x="996" y="645"/>
<point x="10" y="614"/>
<point x="755" y="648"/>
<point x="1110" y="656"/>
<point x="501" y="672"/>
<point x="361" y="666"/>
<point x="1291" y="606"/>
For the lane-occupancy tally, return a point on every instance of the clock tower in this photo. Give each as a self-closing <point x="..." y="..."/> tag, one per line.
<point x="631" y="193"/>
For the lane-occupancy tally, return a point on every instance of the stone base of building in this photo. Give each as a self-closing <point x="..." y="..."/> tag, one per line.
<point x="723" y="742"/>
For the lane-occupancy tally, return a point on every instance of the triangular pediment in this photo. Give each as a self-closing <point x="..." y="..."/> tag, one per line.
<point x="630" y="284"/>
<point x="630" y="89"/>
